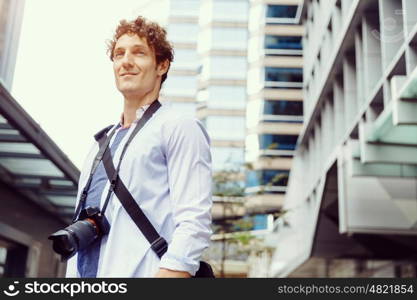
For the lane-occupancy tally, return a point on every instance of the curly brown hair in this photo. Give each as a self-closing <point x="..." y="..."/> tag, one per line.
<point x="154" y="34"/>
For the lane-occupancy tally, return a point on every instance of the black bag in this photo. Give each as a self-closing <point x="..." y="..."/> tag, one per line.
<point x="205" y="271"/>
<point x="158" y="243"/>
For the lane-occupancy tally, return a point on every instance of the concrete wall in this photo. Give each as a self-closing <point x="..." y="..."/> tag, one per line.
<point x="28" y="218"/>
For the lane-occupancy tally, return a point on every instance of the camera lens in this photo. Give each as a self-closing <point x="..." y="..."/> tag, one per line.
<point x="75" y="237"/>
<point x="64" y="242"/>
<point x="85" y="232"/>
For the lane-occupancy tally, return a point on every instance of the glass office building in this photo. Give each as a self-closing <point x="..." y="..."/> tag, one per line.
<point x="222" y="46"/>
<point x="274" y="111"/>
<point x="351" y="195"/>
<point x="181" y="86"/>
<point x="248" y="96"/>
<point x="275" y="106"/>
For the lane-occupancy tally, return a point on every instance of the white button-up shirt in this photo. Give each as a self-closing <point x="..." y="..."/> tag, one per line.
<point x="167" y="169"/>
<point x="139" y="113"/>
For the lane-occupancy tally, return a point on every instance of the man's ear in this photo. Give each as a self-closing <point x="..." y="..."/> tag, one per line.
<point x="163" y="67"/>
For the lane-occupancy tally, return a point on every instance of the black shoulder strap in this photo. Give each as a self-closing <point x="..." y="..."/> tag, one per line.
<point x="99" y="134"/>
<point x="158" y="243"/>
<point x="102" y="147"/>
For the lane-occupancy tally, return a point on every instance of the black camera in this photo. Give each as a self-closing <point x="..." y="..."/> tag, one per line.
<point x="90" y="225"/>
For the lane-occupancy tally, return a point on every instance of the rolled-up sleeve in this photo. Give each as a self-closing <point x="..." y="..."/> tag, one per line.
<point x="190" y="179"/>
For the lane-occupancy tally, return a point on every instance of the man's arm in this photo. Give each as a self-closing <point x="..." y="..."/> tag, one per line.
<point x="166" y="273"/>
<point x="189" y="174"/>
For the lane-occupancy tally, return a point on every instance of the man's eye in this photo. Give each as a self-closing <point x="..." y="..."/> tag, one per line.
<point x="119" y="54"/>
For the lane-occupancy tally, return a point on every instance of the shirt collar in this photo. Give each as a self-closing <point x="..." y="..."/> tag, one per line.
<point x="139" y="113"/>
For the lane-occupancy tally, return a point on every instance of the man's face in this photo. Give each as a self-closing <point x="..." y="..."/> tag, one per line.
<point x="134" y="66"/>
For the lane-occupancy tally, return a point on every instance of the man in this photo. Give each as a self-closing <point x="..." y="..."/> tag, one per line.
<point x="166" y="168"/>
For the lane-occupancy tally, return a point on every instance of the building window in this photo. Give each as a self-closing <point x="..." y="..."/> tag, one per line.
<point x="227" y="158"/>
<point x="180" y="86"/>
<point x="224" y="67"/>
<point x="283" y="42"/>
<point x="185" y="59"/>
<point x="230" y="10"/>
<point x="184" y="108"/>
<point x="284" y="74"/>
<point x="230" y="38"/>
<point x="183" y="33"/>
<point x="281" y="11"/>
<point x="260" y="222"/>
<point x="231" y="128"/>
<point x="13" y="258"/>
<point x="267" y="177"/>
<point x="185" y="8"/>
<point x="256" y="222"/>
<point x="291" y="108"/>
<point x="224" y="97"/>
<point x="277" y="142"/>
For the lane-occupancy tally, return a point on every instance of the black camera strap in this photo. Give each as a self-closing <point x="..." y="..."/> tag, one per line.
<point x="104" y="142"/>
<point x="96" y="162"/>
<point x="158" y="243"/>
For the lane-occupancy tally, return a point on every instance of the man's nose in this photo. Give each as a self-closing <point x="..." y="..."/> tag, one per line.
<point x="127" y="60"/>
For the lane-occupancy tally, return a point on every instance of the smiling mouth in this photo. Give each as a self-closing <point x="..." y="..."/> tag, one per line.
<point x="127" y="74"/>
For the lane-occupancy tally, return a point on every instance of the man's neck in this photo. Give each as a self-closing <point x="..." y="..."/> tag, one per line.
<point x="132" y="104"/>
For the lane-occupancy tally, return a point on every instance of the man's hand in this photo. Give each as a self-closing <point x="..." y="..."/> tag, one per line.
<point x="166" y="273"/>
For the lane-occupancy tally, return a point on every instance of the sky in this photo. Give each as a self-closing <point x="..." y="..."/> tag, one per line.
<point x="63" y="77"/>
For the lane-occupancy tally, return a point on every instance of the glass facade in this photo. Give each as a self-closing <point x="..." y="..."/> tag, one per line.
<point x="230" y="128"/>
<point x="224" y="67"/>
<point x="230" y="38"/>
<point x="219" y="10"/>
<point x="222" y="38"/>
<point x="177" y="85"/>
<point x="260" y="222"/>
<point x="185" y="59"/>
<point x="230" y="10"/>
<point x="263" y="177"/>
<point x="184" y="108"/>
<point x="281" y="11"/>
<point x="223" y="97"/>
<point x="283" y="74"/>
<point x="185" y="8"/>
<point x="256" y="222"/>
<point x="277" y="142"/>
<point x="227" y="158"/>
<point x="283" y="42"/>
<point x="282" y="107"/>
<point x="183" y="32"/>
